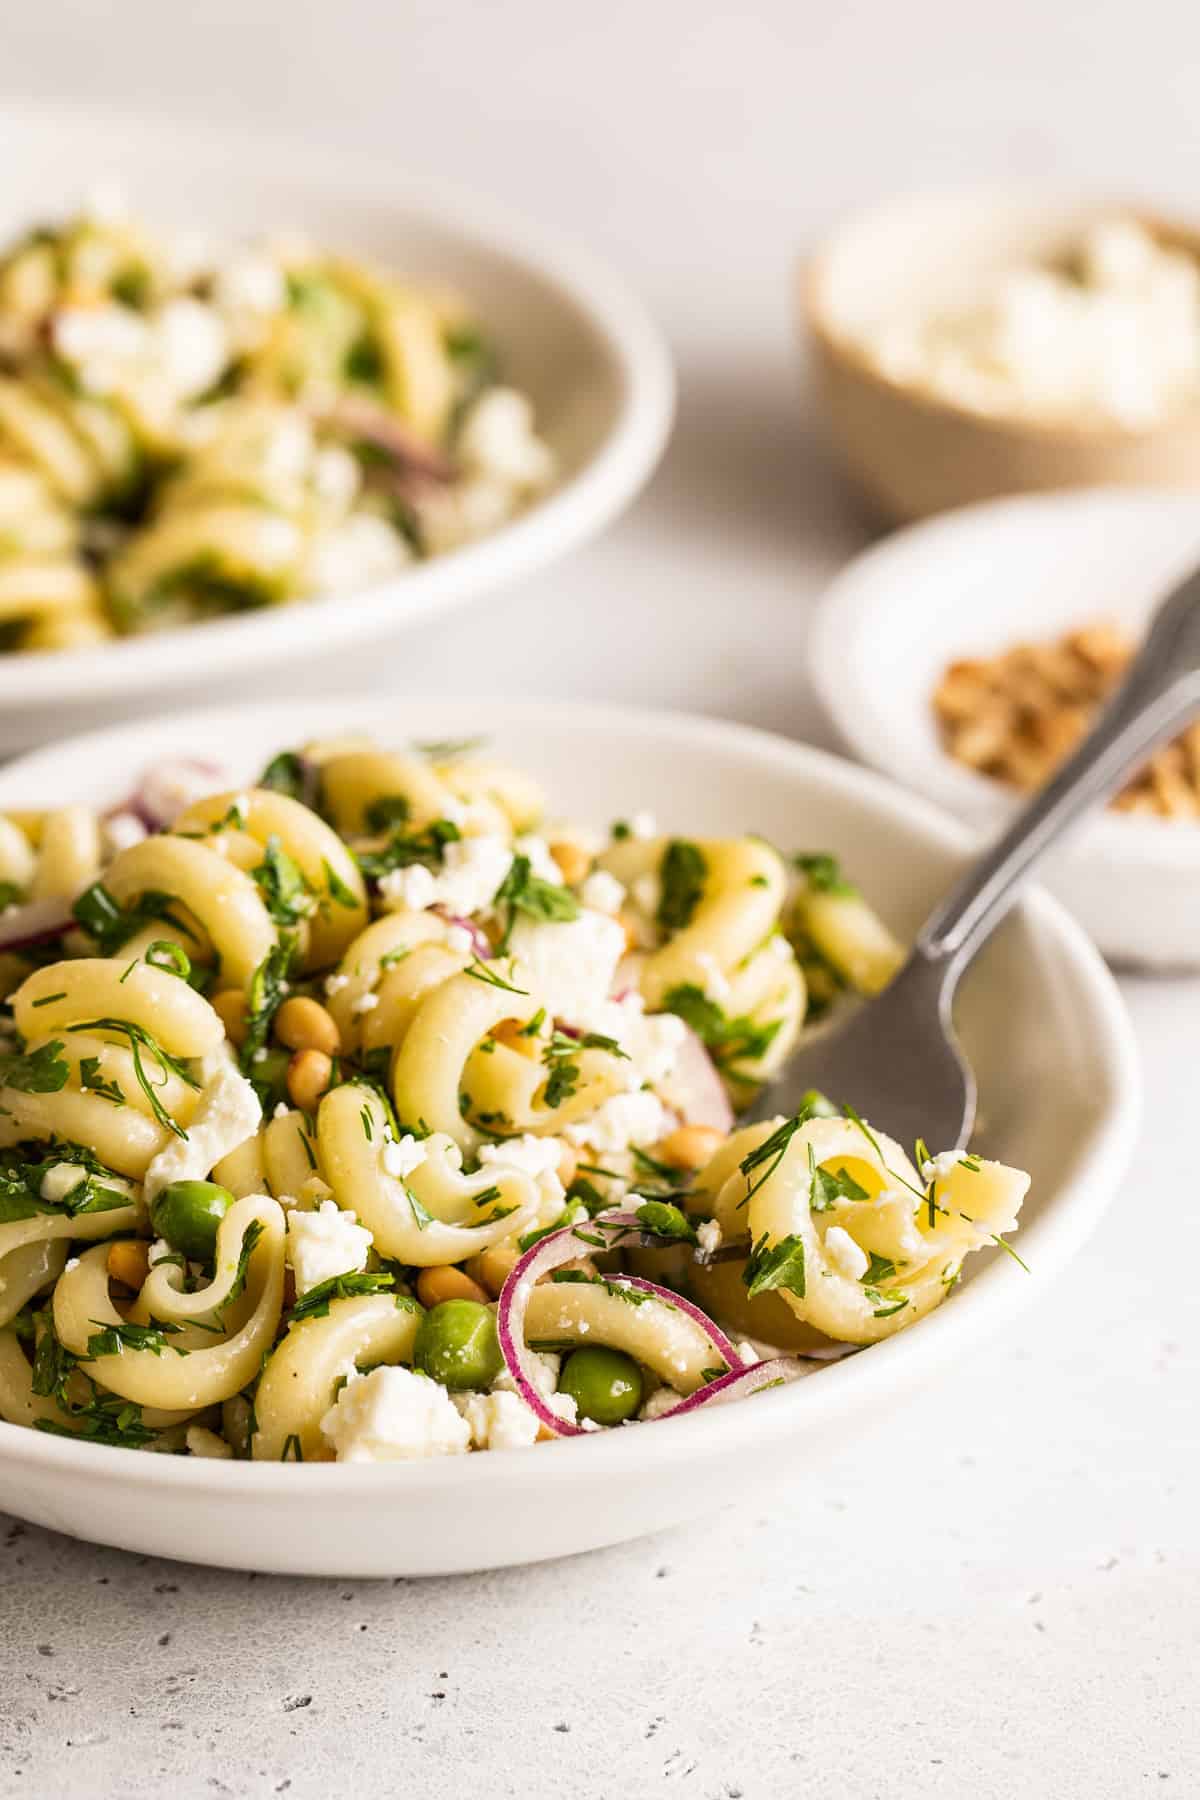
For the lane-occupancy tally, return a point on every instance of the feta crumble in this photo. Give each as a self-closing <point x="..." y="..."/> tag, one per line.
<point x="399" y="1157"/>
<point x="498" y="1421"/>
<point x="602" y="892"/>
<point x="571" y="964"/>
<point x="325" y="1244"/>
<point x="227" y="1113"/>
<point x="393" y="1415"/>
<point x="845" y="1255"/>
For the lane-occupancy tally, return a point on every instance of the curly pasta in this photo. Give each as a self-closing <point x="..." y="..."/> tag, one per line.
<point x="357" y="1113"/>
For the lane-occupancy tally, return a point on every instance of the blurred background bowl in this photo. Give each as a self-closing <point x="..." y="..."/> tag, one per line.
<point x="910" y="453"/>
<point x="568" y="333"/>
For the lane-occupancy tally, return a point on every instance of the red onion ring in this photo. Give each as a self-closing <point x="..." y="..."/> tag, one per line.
<point x="694" y="1089"/>
<point x="150" y="808"/>
<point x="549" y="1253"/>
<point x="37" y="923"/>
<point x="739" y="1384"/>
<point x="481" y="944"/>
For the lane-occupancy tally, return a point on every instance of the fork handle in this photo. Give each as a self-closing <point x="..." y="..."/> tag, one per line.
<point x="1159" y="696"/>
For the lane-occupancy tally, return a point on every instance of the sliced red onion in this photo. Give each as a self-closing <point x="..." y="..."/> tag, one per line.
<point x="411" y="456"/>
<point x="748" y="1379"/>
<point x="37" y="923"/>
<point x="481" y="944"/>
<point x="549" y="1253"/>
<point x="694" y="1089"/>
<point x="152" y="802"/>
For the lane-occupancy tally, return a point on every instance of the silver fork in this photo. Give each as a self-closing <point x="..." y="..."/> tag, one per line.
<point x="897" y="1059"/>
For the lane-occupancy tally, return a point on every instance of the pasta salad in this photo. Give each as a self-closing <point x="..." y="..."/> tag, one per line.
<point x="188" y="431"/>
<point x="364" y="1115"/>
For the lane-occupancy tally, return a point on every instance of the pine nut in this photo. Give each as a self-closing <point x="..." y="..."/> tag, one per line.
<point x="573" y="862"/>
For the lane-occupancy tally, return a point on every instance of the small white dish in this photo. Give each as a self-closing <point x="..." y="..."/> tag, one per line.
<point x="972" y="584"/>
<point x="569" y="332"/>
<point x="1040" y="1017"/>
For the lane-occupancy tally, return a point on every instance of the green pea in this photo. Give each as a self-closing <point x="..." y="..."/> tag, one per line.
<point x="457" y="1345"/>
<point x="606" y="1385"/>
<point x="187" y="1214"/>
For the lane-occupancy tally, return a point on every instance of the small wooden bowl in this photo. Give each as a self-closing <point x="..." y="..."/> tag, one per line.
<point x="911" y="453"/>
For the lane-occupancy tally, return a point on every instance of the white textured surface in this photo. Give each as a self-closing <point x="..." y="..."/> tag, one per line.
<point x="996" y="1593"/>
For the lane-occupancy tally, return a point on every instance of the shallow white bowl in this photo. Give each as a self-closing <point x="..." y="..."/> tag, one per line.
<point x="1040" y="1017"/>
<point x="569" y="333"/>
<point x="976" y="582"/>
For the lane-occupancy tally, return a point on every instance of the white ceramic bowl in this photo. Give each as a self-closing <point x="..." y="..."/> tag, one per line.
<point x="1039" y="1015"/>
<point x="570" y="334"/>
<point x="976" y="582"/>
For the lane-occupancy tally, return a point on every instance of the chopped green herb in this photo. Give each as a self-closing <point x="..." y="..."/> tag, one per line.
<point x="731" y="1041"/>
<point x="666" y="1221"/>
<point x="387" y="811"/>
<point x="683" y="874"/>
<point x="824" y="873"/>
<point x="40" y="1071"/>
<point x="140" y="1039"/>
<point x="522" y="891"/>
<point x="91" y="1080"/>
<point x="771" y="1266"/>
<point x="315" y="1303"/>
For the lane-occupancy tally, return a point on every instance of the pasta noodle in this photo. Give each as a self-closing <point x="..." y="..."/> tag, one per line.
<point x="183" y="437"/>
<point x="358" y="1113"/>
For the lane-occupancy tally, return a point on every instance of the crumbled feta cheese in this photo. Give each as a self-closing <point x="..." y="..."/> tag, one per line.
<point x="282" y="1110"/>
<point x="538" y="1157"/>
<point x="393" y="1415"/>
<point x="462" y="511"/>
<point x="227" y="1113"/>
<point x="571" y="964"/>
<point x="60" y="1180"/>
<point x="1115" y="338"/>
<point x="365" y="1003"/>
<point x="160" y="1251"/>
<point x="659" y="1402"/>
<point x="202" y="1442"/>
<point x="472" y="869"/>
<point x="72" y="1262"/>
<point x="498" y="1421"/>
<point x="335" y="983"/>
<point x="324" y="1244"/>
<point x="941" y="1167"/>
<point x="541" y="863"/>
<point x="542" y="1368"/>
<point x="845" y="1255"/>
<point x="498" y="440"/>
<point x="716" y="986"/>
<point x="651" y="1041"/>
<point x="192" y="346"/>
<point x="602" y="892"/>
<point x="709" y="1236"/>
<point x="362" y="549"/>
<point x="643" y="825"/>
<point x="400" y="1157"/>
<point x="623" y="1120"/>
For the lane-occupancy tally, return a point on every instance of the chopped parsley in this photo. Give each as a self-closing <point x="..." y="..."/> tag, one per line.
<point x="113" y="1340"/>
<point x="403" y="849"/>
<point x="682" y="875"/>
<point x="268" y="990"/>
<point x="91" y="1080"/>
<point x="663" y="1220"/>
<point x="281" y="881"/>
<point x="824" y="874"/>
<point x="140" y="1039"/>
<point x="40" y="1071"/>
<point x="522" y="891"/>
<point x="315" y="1304"/>
<point x="387" y="811"/>
<point x="771" y="1266"/>
<point x="111" y="924"/>
<point x="730" y="1041"/>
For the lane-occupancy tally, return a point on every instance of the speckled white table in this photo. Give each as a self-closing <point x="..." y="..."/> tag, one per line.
<point x="996" y="1591"/>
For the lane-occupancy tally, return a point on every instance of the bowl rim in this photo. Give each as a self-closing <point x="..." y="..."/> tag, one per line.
<point x="815" y="271"/>
<point x="857" y="591"/>
<point x="996" y="1290"/>
<point x="564" y="519"/>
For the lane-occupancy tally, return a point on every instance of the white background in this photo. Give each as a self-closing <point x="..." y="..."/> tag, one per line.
<point x="997" y="1591"/>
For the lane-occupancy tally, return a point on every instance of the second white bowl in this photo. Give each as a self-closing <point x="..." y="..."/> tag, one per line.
<point x="974" y="583"/>
<point x="570" y="334"/>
